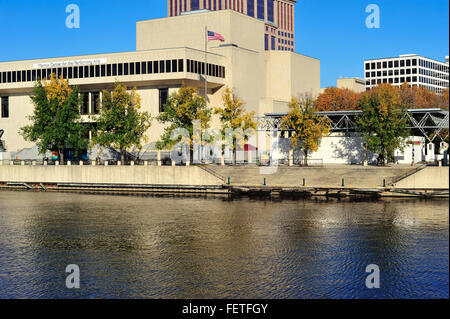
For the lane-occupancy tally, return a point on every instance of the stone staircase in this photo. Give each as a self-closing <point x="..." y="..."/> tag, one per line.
<point x="327" y="176"/>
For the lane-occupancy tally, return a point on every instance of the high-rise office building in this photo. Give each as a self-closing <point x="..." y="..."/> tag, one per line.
<point x="410" y="68"/>
<point x="278" y="16"/>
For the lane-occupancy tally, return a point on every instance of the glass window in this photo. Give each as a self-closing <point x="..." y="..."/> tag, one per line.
<point x="85" y="106"/>
<point x="75" y="72"/>
<point x="144" y="67"/>
<point x="91" y="71"/>
<point x="163" y="95"/>
<point x="95" y="101"/>
<point x="395" y="64"/>
<point x="402" y="63"/>
<point x="108" y="70"/>
<point x="269" y="10"/>
<point x="367" y="66"/>
<point x="272" y="44"/>
<point x="155" y="67"/>
<point x="103" y="70"/>
<point x="260" y="9"/>
<point x="149" y="67"/>
<point x="33" y="75"/>
<point x="114" y="69"/>
<point x="180" y="65"/>
<point x="125" y="69"/>
<point x="97" y="70"/>
<point x="174" y="66"/>
<point x="168" y="69"/>
<point x="120" y="69"/>
<point x="161" y="66"/>
<point x="5" y="106"/>
<point x="69" y="73"/>
<point x="250" y="9"/>
<point x="132" y="68"/>
<point x="138" y="68"/>
<point x="390" y="64"/>
<point x="81" y="72"/>
<point x="266" y="42"/>
<point x="194" y="5"/>
<point x="384" y="65"/>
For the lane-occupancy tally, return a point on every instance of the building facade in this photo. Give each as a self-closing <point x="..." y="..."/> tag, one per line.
<point x="278" y="15"/>
<point x="413" y="69"/>
<point x="357" y="85"/>
<point x="170" y="54"/>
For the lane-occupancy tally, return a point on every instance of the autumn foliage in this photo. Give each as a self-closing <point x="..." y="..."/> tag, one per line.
<point x="307" y="128"/>
<point x="412" y="97"/>
<point x="336" y="99"/>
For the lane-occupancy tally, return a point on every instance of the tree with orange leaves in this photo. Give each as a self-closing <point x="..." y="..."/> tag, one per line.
<point x="336" y="99"/>
<point x="415" y="97"/>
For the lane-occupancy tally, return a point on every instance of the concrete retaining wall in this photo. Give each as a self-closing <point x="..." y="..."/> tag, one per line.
<point x="145" y="175"/>
<point x="430" y="177"/>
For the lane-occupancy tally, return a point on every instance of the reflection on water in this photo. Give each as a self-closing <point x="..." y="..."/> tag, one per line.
<point x="150" y="247"/>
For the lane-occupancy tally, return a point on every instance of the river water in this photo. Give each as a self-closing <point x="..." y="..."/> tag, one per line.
<point x="175" y="247"/>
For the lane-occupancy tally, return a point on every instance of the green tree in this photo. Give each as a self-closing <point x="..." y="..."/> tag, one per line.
<point x="233" y="117"/>
<point x="383" y="123"/>
<point x="182" y="110"/>
<point x="55" y="123"/>
<point x="307" y="128"/>
<point x="120" y="124"/>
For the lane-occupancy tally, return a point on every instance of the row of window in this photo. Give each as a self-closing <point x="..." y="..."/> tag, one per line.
<point x="199" y="68"/>
<point x="406" y="63"/>
<point x="433" y="82"/>
<point x="87" y="108"/>
<point x="433" y="66"/>
<point x="285" y="49"/>
<point x="5" y="107"/>
<point x="286" y="34"/>
<point x="391" y="72"/>
<point x="434" y="74"/>
<point x="391" y="64"/>
<point x="283" y="41"/>
<point x="398" y="80"/>
<point x="92" y="71"/>
<point x="406" y="72"/>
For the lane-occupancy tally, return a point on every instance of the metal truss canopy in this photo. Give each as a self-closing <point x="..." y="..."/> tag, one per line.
<point x="429" y="123"/>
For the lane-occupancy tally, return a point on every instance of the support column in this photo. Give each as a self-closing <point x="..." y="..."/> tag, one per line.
<point x="158" y="156"/>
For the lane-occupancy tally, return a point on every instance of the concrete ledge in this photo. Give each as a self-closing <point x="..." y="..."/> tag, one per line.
<point x="428" y="178"/>
<point x="144" y="175"/>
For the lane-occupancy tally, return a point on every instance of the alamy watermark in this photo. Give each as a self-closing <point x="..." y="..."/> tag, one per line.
<point x="73" y="19"/>
<point x="373" y="280"/>
<point x="73" y="279"/>
<point x="373" y="19"/>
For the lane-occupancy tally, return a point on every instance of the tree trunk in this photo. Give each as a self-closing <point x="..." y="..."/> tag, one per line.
<point x="61" y="157"/>
<point x="234" y="151"/>
<point x="191" y="152"/>
<point x="122" y="156"/>
<point x="305" y="160"/>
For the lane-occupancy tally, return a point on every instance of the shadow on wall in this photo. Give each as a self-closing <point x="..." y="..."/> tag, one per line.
<point x="350" y="150"/>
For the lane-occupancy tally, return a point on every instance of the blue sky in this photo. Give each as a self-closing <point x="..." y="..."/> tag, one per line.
<point x="330" y="30"/>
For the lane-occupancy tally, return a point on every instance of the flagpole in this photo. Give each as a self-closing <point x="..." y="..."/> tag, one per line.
<point x="206" y="64"/>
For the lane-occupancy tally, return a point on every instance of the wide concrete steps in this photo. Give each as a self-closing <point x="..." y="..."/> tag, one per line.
<point x="355" y="176"/>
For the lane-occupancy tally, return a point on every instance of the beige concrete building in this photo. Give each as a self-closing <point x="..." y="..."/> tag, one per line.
<point x="354" y="84"/>
<point x="170" y="53"/>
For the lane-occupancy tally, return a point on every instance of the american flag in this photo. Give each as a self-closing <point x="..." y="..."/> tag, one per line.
<point x="215" y="36"/>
